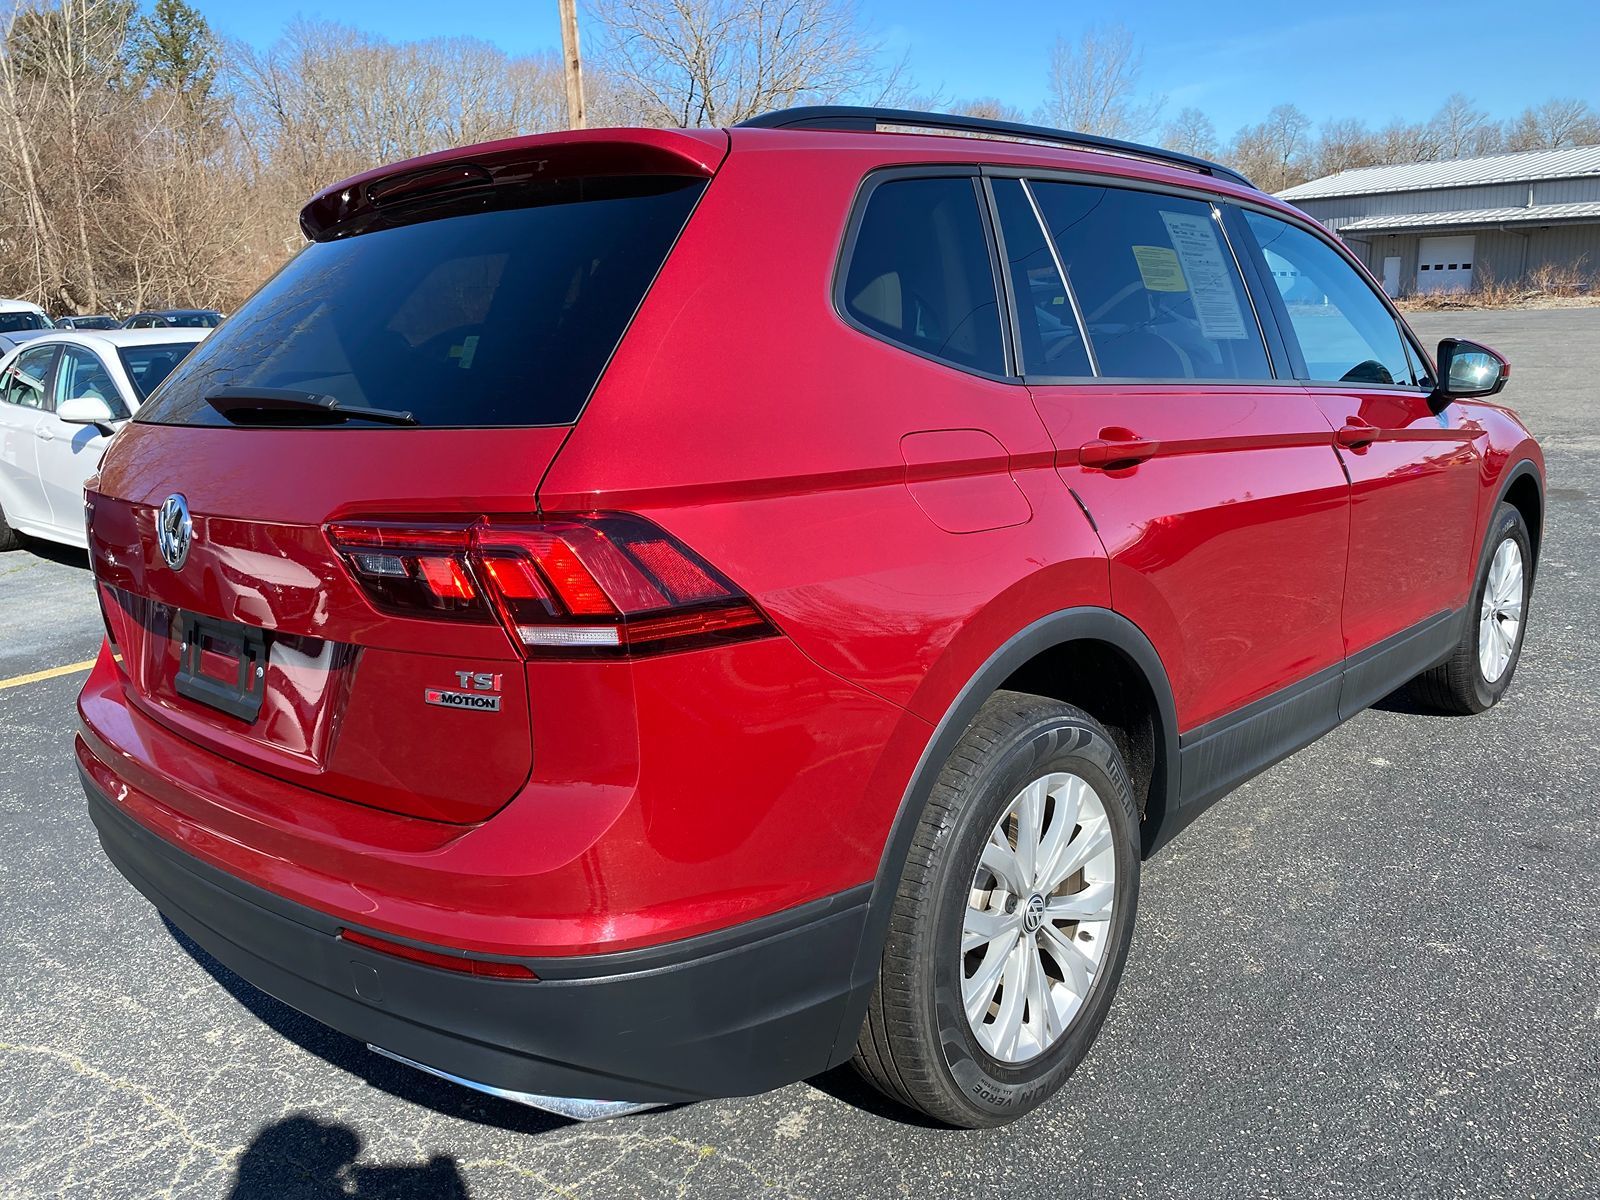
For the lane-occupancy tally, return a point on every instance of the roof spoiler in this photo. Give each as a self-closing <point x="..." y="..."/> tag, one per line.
<point x="573" y="154"/>
<point x="849" y="117"/>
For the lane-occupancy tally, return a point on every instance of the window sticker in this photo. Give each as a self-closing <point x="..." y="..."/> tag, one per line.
<point x="1159" y="268"/>
<point x="1216" y="305"/>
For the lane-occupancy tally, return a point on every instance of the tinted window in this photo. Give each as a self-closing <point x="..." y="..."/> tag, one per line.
<point x="82" y="374"/>
<point x="147" y="366"/>
<point x="1346" y="333"/>
<point x="24" y="380"/>
<point x="920" y="274"/>
<point x="1159" y="290"/>
<point x="504" y="314"/>
<point x="15" y="322"/>
<point x="1051" y="342"/>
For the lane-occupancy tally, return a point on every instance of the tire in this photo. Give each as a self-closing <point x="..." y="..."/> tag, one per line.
<point x="918" y="1045"/>
<point x="1466" y="682"/>
<point x="10" y="539"/>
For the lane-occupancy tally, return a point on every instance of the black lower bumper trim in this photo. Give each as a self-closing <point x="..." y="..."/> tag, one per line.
<point x="747" y="1015"/>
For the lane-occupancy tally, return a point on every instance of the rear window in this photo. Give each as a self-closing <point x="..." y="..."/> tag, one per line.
<point x="500" y="309"/>
<point x="147" y="366"/>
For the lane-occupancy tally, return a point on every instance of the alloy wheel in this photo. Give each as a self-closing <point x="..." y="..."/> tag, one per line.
<point x="1038" y="917"/>
<point x="1500" y="615"/>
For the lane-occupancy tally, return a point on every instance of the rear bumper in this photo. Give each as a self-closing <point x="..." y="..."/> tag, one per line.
<point x="739" y="1011"/>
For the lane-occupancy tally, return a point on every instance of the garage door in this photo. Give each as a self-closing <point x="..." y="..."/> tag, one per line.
<point x="1444" y="264"/>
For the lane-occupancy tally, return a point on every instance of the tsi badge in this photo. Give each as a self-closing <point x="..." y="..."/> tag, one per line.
<point x="478" y="691"/>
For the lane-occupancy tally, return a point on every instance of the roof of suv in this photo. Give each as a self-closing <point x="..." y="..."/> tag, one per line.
<point x="701" y="151"/>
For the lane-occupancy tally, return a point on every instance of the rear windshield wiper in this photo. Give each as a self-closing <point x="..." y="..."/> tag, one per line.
<point x="240" y="401"/>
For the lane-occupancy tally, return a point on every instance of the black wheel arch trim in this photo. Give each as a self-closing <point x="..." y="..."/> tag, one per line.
<point x="1056" y="629"/>
<point x="1525" y="468"/>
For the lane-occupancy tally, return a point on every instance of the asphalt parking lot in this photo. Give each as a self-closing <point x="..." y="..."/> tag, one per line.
<point x="1375" y="970"/>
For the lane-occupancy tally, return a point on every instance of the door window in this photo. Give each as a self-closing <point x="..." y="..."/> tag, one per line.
<point x="1346" y="334"/>
<point x="24" y="381"/>
<point x="1159" y="290"/>
<point x="1051" y="342"/>
<point x="81" y="373"/>
<point x="920" y="276"/>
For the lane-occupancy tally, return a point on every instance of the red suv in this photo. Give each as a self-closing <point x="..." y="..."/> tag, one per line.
<point x="641" y="615"/>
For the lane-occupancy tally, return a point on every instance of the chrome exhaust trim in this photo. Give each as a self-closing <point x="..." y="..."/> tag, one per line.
<point x="562" y="1106"/>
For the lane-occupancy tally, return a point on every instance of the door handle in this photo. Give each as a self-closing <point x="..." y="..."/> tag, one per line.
<point x="1118" y="452"/>
<point x="1355" y="434"/>
<point x="43" y="434"/>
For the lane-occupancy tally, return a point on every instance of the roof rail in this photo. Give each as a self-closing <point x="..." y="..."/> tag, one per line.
<point x="851" y="117"/>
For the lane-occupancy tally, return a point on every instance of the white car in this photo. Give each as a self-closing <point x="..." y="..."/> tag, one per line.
<point x="62" y="396"/>
<point x="19" y="316"/>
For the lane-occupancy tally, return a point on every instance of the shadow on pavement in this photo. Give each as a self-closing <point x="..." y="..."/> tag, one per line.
<point x="67" y="556"/>
<point x="301" y="1156"/>
<point x="1402" y="701"/>
<point x="845" y="1085"/>
<point x="349" y="1055"/>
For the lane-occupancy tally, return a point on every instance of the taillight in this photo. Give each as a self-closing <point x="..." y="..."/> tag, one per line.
<point x="607" y="584"/>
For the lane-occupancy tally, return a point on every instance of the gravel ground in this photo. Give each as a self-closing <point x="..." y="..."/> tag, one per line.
<point x="1373" y="971"/>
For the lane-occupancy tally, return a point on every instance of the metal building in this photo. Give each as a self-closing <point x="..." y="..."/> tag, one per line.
<point x="1448" y="226"/>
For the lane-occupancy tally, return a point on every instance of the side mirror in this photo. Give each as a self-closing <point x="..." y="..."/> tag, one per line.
<point x="1467" y="369"/>
<point x="87" y="410"/>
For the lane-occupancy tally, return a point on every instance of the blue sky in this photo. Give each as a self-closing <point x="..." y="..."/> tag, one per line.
<point x="1234" y="61"/>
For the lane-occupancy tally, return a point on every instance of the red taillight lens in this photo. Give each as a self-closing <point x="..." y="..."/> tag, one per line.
<point x="485" y="967"/>
<point x="608" y="584"/>
<point x="412" y="569"/>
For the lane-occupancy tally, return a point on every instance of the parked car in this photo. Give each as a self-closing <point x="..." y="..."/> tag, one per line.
<point x="175" y="318"/>
<point x="62" y="395"/>
<point x="682" y="659"/>
<point x="19" y="316"/>
<point x="89" y="322"/>
<point x="10" y="341"/>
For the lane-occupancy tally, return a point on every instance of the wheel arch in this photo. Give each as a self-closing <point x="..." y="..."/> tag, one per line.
<point x="1030" y="660"/>
<point x="1523" y="489"/>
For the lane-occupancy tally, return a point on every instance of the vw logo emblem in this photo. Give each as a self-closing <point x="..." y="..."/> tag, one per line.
<point x="174" y="530"/>
<point x="1033" y="915"/>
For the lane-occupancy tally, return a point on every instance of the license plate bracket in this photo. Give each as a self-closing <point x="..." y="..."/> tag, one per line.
<point x="205" y="642"/>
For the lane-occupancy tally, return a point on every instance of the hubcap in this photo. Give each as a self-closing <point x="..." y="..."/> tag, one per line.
<point x="1500" y="616"/>
<point x="1037" y="917"/>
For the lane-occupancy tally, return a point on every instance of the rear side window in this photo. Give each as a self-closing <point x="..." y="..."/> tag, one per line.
<point x="1346" y="334"/>
<point x="500" y="309"/>
<point x="1160" y="292"/>
<point x="1050" y="341"/>
<point x="147" y="366"/>
<point x="920" y="275"/>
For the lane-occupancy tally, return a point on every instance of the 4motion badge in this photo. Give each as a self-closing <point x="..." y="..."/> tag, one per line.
<point x="478" y="691"/>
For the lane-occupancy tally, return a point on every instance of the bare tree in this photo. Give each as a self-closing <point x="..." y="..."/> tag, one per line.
<point x="326" y="101"/>
<point x="717" y="62"/>
<point x="1190" y="132"/>
<point x="987" y="108"/>
<point x="1345" y="145"/>
<point x="1554" y="124"/>
<point x="1407" y="142"/>
<point x="1462" y="129"/>
<point x="1093" y="85"/>
<point x="66" y="89"/>
<point x="1275" y="154"/>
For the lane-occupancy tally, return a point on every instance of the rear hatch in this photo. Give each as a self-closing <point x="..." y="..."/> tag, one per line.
<point x="418" y="364"/>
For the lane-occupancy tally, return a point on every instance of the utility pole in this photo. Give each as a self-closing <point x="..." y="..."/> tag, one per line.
<point x="572" y="63"/>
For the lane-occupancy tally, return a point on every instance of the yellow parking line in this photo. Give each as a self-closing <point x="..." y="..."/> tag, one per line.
<point x="52" y="673"/>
